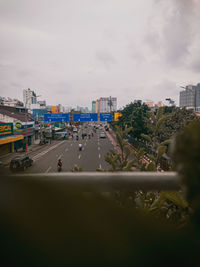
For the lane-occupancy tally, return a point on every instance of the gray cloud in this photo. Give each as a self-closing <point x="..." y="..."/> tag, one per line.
<point x="176" y="33"/>
<point x="72" y="52"/>
<point x="105" y="58"/>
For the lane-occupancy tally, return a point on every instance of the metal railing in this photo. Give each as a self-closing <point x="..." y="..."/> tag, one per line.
<point x="106" y="181"/>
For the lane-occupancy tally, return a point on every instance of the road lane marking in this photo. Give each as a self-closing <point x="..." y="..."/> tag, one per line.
<point x="79" y="156"/>
<point x="48" y="169"/>
<point x="99" y="166"/>
<point x="66" y="149"/>
<point x="71" y="144"/>
<point x="46" y="151"/>
<point x="98" y="148"/>
<point x="99" y="155"/>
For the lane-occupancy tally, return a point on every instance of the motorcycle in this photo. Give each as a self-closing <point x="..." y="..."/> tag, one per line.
<point x="59" y="168"/>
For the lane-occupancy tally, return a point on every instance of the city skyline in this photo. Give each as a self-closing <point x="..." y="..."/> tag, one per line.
<point x="74" y="52"/>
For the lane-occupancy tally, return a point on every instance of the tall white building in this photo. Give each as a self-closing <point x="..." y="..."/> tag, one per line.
<point x="106" y="104"/>
<point x="29" y="98"/>
<point x="190" y="97"/>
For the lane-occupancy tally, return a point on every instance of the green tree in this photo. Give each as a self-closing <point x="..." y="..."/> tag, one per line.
<point x="155" y="123"/>
<point x="134" y="115"/>
<point x="120" y="160"/>
<point x="179" y="119"/>
<point x="185" y="152"/>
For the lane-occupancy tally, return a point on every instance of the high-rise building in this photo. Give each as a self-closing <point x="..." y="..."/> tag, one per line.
<point x="29" y="98"/>
<point x="106" y="104"/>
<point x="93" y="106"/>
<point x="190" y="97"/>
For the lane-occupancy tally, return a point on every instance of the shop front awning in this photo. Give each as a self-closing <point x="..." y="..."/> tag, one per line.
<point x="10" y="139"/>
<point x="61" y="133"/>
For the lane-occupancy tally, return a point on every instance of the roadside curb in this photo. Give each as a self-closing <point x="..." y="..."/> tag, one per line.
<point x="36" y="147"/>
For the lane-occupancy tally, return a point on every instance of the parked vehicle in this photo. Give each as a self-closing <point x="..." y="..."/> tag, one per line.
<point x="20" y="163"/>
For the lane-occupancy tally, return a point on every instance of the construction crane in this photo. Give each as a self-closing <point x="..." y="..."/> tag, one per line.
<point x="171" y="102"/>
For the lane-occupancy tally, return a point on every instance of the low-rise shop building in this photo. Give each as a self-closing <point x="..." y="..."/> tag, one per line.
<point x="23" y="125"/>
<point x="8" y="138"/>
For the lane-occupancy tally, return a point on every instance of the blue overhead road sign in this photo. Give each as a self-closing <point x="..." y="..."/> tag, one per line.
<point x="105" y="116"/>
<point x="56" y="117"/>
<point x="85" y="117"/>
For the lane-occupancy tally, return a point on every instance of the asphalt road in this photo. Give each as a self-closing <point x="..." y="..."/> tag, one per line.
<point x="89" y="159"/>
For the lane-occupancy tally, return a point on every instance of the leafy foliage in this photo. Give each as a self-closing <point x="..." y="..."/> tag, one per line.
<point x="134" y="115"/>
<point x="185" y="152"/>
<point x="176" y="123"/>
<point x="120" y="160"/>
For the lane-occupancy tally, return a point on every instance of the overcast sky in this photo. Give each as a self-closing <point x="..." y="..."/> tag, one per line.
<point x="74" y="51"/>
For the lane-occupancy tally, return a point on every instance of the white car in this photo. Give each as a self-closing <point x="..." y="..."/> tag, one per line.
<point x="102" y="135"/>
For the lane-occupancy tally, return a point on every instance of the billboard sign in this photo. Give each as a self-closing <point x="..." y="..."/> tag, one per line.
<point x="117" y="115"/>
<point x="6" y="129"/>
<point x="56" y="117"/>
<point x="105" y="116"/>
<point x="85" y="117"/>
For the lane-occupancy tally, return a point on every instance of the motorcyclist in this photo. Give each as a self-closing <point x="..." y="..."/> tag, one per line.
<point x="80" y="147"/>
<point x="59" y="165"/>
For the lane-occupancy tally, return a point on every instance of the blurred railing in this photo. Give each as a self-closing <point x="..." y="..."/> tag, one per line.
<point x="106" y="181"/>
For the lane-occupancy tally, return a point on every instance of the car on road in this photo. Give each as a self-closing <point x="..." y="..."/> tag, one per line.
<point x="75" y="130"/>
<point x="20" y="163"/>
<point x="102" y="135"/>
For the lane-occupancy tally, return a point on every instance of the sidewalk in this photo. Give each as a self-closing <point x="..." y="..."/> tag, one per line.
<point x="5" y="159"/>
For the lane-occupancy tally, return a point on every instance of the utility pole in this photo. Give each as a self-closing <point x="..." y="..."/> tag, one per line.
<point x="110" y="103"/>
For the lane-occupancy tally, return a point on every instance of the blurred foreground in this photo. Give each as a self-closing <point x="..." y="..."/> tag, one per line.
<point x="42" y="224"/>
